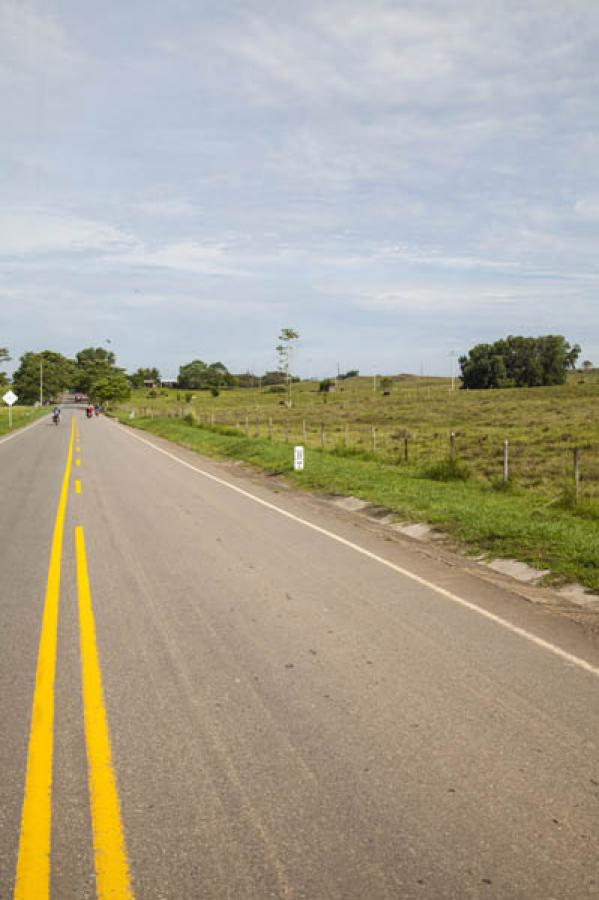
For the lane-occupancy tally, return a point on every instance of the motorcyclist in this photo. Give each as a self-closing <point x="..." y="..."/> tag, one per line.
<point x="89" y="411"/>
<point x="56" y="412"/>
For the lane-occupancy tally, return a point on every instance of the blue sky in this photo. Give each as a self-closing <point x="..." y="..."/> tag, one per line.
<point x="394" y="180"/>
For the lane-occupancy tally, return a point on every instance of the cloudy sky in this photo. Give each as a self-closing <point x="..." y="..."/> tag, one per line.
<point x="396" y="180"/>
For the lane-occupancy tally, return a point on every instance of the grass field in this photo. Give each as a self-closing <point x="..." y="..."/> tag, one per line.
<point x="21" y="415"/>
<point x="535" y="519"/>
<point x="542" y="425"/>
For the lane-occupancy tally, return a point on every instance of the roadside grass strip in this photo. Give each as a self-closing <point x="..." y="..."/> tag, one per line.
<point x="33" y="865"/>
<point x="517" y="524"/>
<point x="110" y="855"/>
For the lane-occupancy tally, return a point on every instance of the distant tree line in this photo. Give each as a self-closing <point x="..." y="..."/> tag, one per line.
<point x="519" y="362"/>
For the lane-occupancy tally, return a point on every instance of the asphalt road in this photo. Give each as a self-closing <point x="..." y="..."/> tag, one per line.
<point x="255" y="709"/>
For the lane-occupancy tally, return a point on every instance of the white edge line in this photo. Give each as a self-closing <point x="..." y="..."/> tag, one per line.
<point x="448" y="595"/>
<point x="21" y="431"/>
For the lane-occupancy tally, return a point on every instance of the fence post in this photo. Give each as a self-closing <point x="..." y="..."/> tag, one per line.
<point x="506" y="461"/>
<point x="211" y="419"/>
<point x="452" y="444"/>
<point x="247" y="426"/>
<point x="374" y="438"/>
<point x="270" y="428"/>
<point x="406" y="438"/>
<point x="286" y="431"/>
<point x="258" y="427"/>
<point x="577" y="457"/>
<point x="322" y="435"/>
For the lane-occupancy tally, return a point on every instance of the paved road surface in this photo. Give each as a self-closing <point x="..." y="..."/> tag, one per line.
<point x="268" y="711"/>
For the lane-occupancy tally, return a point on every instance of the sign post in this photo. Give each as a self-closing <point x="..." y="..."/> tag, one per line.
<point x="10" y="398"/>
<point x="298" y="459"/>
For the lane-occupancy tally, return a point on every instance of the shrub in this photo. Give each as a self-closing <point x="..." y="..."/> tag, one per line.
<point x="189" y="419"/>
<point x="449" y="469"/>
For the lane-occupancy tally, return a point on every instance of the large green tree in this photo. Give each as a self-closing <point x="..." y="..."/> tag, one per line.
<point x="93" y="363"/>
<point x="110" y="388"/>
<point x="141" y="375"/>
<point x="57" y="376"/>
<point x="518" y="361"/>
<point x="200" y="376"/>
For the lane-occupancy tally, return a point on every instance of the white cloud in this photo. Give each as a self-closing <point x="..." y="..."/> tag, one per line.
<point x="40" y="231"/>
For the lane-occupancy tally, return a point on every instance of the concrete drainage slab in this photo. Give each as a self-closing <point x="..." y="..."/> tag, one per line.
<point x="518" y="570"/>
<point x="420" y="531"/>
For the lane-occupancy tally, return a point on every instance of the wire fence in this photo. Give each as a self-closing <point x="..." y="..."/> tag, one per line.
<point x="533" y="460"/>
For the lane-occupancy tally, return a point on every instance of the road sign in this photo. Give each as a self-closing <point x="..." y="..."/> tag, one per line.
<point x="9" y="398"/>
<point x="298" y="458"/>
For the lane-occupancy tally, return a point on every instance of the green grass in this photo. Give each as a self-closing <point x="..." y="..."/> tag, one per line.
<point x="21" y="415"/>
<point x="542" y="425"/>
<point x="518" y="522"/>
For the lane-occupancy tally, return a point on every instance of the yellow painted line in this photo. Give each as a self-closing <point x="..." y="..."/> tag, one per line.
<point x="77" y="462"/>
<point x="77" y="486"/>
<point x="33" y="866"/>
<point x="110" y="854"/>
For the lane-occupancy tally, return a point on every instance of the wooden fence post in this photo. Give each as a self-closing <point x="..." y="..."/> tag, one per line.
<point x="373" y="432"/>
<point x="452" y="444"/>
<point x="577" y="457"/>
<point x="247" y="425"/>
<point x="506" y="461"/>
<point x="322" y="435"/>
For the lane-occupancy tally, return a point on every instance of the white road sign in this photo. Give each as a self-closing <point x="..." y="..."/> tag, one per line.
<point x="298" y="458"/>
<point x="10" y="398"/>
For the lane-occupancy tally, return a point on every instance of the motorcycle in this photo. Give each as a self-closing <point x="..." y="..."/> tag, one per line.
<point x="56" y="418"/>
<point x="89" y="413"/>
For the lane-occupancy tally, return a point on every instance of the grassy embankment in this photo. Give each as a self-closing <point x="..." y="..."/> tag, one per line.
<point x="21" y="415"/>
<point x="534" y="520"/>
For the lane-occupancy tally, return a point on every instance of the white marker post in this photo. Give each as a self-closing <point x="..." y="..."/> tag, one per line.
<point x="10" y="398"/>
<point x="298" y="459"/>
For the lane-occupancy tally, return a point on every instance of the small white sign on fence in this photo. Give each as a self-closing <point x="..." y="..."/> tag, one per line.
<point x="298" y="458"/>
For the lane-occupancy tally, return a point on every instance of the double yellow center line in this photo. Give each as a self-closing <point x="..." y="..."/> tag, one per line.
<point x="33" y="866"/>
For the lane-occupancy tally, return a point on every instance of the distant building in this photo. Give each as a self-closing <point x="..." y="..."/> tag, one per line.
<point x="149" y="383"/>
<point x="168" y="383"/>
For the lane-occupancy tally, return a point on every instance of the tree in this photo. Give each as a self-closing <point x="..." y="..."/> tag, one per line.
<point x="587" y="364"/>
<point x="287" y="338"/>
<point x="110" y="388"/>
<point x="93" y="363"/>
<point x="138" y="378"/>
<point x="58" y="375"/>
<point x="199" y="376"/>
<point x="4" y="357"/>
<point x="518" y="361"/>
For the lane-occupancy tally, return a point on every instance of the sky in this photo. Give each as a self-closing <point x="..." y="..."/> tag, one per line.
<point x="394" y="180"/>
